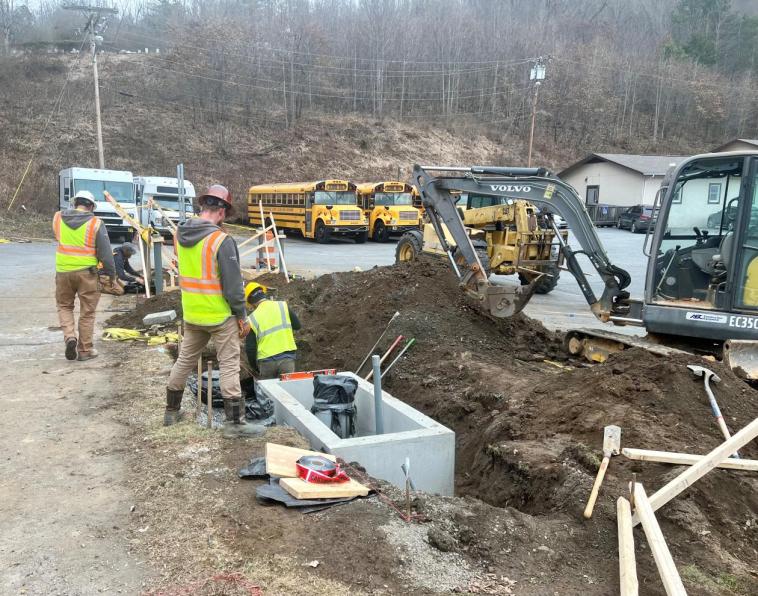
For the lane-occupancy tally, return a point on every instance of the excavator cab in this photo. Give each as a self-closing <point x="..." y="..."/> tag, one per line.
<point x="704" y="253"/>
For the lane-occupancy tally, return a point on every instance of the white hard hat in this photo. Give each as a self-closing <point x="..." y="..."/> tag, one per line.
<point x="86" y="195"/>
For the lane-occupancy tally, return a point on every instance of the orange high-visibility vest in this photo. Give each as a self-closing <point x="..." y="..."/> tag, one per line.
<point x="203" y="300"/>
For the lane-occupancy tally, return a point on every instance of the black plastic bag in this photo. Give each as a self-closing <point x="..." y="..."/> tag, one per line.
<point x="334" y="403"/>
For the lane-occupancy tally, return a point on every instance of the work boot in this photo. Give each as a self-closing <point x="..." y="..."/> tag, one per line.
<point x="87" y="355"/>
<point x="71" y="353"/>
<point x="235" y="424"/>
<point x="173" y="405"/>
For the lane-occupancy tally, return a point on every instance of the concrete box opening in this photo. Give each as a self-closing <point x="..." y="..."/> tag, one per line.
<point x="429" y="445"/>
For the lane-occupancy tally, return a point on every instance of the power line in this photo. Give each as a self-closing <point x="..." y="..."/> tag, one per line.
<point x="351" y="97"/>
<point x="266" y="47"/>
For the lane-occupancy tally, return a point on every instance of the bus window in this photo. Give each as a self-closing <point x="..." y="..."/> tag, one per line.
<point x="323" y="197"/>
<point x="392" y="198"/>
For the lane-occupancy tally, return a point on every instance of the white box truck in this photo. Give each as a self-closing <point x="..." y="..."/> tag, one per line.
<point x="120" y="185"/>
<point x="165" y="192"/>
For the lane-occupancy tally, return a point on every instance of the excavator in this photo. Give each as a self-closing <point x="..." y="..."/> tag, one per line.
<point x="701" y="286"/>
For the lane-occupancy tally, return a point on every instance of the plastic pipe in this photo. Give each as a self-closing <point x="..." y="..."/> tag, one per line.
<point x="378" y="413"/>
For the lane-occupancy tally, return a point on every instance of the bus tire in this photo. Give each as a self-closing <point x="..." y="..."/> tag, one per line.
<point x="409" y="246"/>
<point x="361" y="238"/>
<point x="380" y="232"/>
<point x="321" y="234"/>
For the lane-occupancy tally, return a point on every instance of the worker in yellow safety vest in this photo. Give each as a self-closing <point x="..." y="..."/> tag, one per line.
<point x="271" y="345"/>
<point x="213" y="304"/>
<point x="83" y="245"/>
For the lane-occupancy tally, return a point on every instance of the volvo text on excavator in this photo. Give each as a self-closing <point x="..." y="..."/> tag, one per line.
<point x="701" y="286"/>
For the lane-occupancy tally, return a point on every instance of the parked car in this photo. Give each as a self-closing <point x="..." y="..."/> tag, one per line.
<point x="636" y="219"/>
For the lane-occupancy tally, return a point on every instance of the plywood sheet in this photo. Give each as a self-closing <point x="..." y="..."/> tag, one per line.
<point x="300" y="489"/>
<point x="280" y="459"/>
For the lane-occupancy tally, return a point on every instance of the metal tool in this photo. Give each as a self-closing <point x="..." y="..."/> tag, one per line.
<point x="708" y="376"/>
<point x="371" y="351"/>
<point x="399" y="356"/>
<point x="611" y="446"/>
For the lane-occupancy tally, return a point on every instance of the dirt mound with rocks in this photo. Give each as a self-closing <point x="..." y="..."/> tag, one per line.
<point x="529" y="420"/>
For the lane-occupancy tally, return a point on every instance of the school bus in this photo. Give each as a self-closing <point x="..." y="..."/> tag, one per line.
<point x="388" y="206"/>
<point x="318" y="210"/>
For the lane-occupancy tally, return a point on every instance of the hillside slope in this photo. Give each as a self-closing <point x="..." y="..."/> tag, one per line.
<point x="148" y="130"/>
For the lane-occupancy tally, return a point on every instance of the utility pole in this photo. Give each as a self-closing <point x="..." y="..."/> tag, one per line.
<point x="96" y="23"/>
<point x="536" y="74"/>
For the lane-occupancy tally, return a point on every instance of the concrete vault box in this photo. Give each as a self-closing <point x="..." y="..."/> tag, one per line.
<point x="407" y="433"/>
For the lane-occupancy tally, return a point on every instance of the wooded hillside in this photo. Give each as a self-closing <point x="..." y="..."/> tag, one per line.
<point x="234" y="79"/>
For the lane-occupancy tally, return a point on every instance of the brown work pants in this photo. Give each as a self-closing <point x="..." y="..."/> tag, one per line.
<point x="226" y="339"/>
<point x="271" y="369"/>
<point x="69" y="285"/>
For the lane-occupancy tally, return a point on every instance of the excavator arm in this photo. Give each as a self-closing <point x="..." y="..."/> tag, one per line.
<point x="537" y="186"/>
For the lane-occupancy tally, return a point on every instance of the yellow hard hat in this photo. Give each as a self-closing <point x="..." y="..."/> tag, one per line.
<point x="252" y="286"/>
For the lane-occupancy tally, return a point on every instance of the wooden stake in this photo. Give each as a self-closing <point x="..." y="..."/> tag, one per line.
<point x="627" y="561"/>
<point x="687" y="459"/>
<point x="672" y="583"/>
<point x="701" y="468"/>
<point x="263" y="224"/>
<point x="279" y="248"/>
<point x="210" y="394"/>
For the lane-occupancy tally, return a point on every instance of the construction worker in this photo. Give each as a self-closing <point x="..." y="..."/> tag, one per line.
<point x="272" y="344"/>
<point x="213" y="302"/>
<point x="82" y="244"/>
<point x="124" y="270"/>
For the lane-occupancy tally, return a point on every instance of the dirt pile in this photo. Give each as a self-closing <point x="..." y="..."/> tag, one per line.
<point x="529" y="432"/>
<point x="132" y="318"/>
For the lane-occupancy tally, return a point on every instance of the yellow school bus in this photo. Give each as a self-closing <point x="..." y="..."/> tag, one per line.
<point x="388" y="206"/>
<point x="317" y="210"/>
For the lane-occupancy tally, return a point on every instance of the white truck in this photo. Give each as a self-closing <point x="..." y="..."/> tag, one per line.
<point x="164" y="192"/>
<point x="120" y="185"/>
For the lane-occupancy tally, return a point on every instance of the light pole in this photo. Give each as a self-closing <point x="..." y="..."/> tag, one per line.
<point x="536" y="74"/>
<point x="95" y="24"/>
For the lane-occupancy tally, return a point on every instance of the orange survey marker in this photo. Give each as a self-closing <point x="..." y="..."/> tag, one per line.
<point x="307" y="374"/>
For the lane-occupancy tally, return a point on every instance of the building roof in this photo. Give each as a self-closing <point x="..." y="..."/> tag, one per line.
<point x="647" y="165"/>
<point x="720" y="148"/>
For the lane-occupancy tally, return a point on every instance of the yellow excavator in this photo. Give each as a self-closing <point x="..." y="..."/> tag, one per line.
<point x="509" y="237"/>
<point x="701" y="287"/>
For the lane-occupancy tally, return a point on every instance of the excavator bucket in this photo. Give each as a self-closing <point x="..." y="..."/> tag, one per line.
<point x="742" y="357"/>
<point x="506" y="300"/>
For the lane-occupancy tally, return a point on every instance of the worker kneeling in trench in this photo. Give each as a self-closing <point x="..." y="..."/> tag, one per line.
<point x="270" y="348"/>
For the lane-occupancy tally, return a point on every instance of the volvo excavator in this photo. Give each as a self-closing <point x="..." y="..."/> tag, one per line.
<point x="701" y="287"/>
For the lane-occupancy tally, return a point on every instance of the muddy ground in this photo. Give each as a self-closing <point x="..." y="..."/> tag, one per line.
<point x="528" y="425"/>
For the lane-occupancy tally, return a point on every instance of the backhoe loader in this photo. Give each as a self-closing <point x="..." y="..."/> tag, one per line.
<point x="510" y="237"/>
<point x="701" y="287"/>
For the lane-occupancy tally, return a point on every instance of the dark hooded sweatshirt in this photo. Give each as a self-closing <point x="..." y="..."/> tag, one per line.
<point x="74" y="218"/>
<point x="193" y="231"/>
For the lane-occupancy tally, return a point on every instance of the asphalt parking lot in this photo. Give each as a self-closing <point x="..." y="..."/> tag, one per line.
<point x="565" y="307"/>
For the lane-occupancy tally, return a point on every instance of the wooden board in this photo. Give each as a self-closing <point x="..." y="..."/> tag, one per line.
<point x="672" y="583"/>
<point x="686" y="459"/>
<point x="300" y="489"/>
<point x="701" y="468"/>
<point x="627" y="562"/>
<point x="280" y="459"/>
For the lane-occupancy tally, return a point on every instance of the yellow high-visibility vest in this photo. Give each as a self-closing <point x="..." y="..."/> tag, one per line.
<point x="750" y="293"/>
<point x="203" y="300"/>
<point x="76" y="246"/>
<point x="273" y="329"/>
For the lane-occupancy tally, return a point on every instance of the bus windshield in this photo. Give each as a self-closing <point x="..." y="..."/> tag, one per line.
<point x="172" y="202"/>
<point x="393" y="198"/>
<point x="123" y="192"/>
<point x="323" y="197"/>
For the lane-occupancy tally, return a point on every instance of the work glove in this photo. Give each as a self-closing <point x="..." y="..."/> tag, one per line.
<point x="244" y="328"/>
